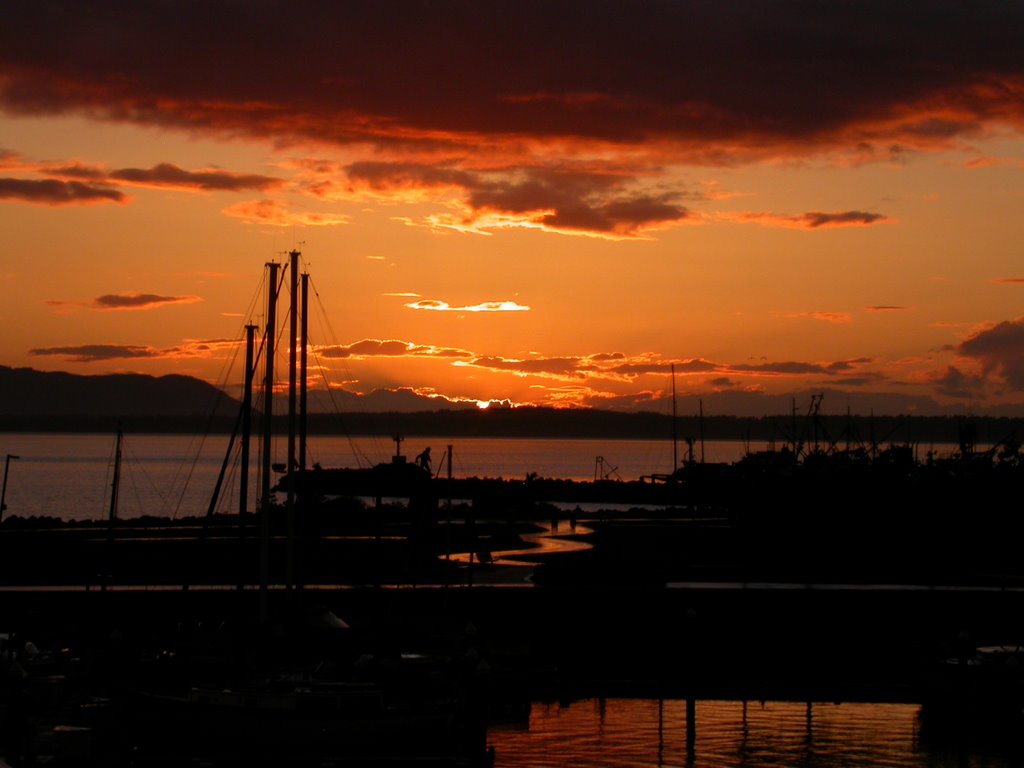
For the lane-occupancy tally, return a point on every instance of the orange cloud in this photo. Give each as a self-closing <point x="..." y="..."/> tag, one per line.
<point x="558" y="366"/>
<point x="278" y="213"/>
<point x="990" y="162"/>
<point x="389" y="348"/>
<point x="562" y="198"/>
<point x="487" y="306"/>
<point x="625" y="369"/>
<point x="548" y="127"/>
<point x="828" y="317"/>
<point x="809" y="221"/>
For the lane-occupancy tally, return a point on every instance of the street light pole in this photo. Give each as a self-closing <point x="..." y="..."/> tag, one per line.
<point x="3" y="493"/>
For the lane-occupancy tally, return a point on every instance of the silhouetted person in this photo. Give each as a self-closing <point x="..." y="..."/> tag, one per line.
<point x="423" y="459"/>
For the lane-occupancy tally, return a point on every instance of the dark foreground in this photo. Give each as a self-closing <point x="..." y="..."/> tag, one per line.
<point x="147" y="643"/>
<point x="496" y="649"/>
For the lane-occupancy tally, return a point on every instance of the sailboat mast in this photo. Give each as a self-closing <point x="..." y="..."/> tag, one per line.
<point x="243" y="491"/>
<point x="115" y="484"/>
<point x="293" y="332"/>
<point x="3" y="492"/>
<point x="268" y="417"/>
<point x="303" y="404"/>
<point x="701" y="405"/>
<point x="303" y="371"/>
<point x="675" y="426"/>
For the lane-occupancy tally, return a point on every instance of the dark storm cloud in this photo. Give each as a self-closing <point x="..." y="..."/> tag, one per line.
<point x="719" y="81"/>
<point x="1000" y="350"/>
<point x="955" y="383"/>
<point x="54" y="192"/>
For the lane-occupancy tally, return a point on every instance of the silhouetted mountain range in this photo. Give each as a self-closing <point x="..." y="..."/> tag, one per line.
<point x="33" y="400"/>
<point x="25" y="392"/>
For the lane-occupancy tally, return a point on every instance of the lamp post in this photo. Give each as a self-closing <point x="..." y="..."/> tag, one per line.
<point x="3" y="492"/>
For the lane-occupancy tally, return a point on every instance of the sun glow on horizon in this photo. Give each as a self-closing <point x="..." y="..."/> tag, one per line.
<point x="766" y="233"/>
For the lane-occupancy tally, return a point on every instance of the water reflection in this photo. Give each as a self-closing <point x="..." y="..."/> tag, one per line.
<point x="617" y="733"/>
<point x="551" y="538"/>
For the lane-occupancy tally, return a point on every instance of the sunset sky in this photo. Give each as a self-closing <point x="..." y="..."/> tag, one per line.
<point x="546" y="203"/>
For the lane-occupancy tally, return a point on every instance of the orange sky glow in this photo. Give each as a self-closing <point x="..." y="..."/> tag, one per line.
<point x="524" y="202"/>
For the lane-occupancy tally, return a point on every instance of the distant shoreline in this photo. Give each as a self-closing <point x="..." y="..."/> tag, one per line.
<point x="546" y="423"/>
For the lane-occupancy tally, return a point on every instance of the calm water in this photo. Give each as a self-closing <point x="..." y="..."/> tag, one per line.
<point x="646" y="733"/>
<point x="69" y="475"/>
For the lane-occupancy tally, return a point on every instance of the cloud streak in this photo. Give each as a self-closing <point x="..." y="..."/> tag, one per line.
<point x="620" y="367"/>
<point x="92" y="353"/>
<point x="189" y="349"/>
<point x="55" y="192"/>
<point x="278" y="213"/>
<point x="826" y="317"/>
<point x="168" y="175"/>
<point x="367" y="348"/>
<point x="81" y="184"/>
<point x="138" y="301"/>
<point x="435" y="305"/>
<point x="810" y="221"/>
<point x="119" y="302"/>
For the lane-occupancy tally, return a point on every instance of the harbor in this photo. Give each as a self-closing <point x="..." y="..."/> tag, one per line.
<point x="391" y="612"/>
